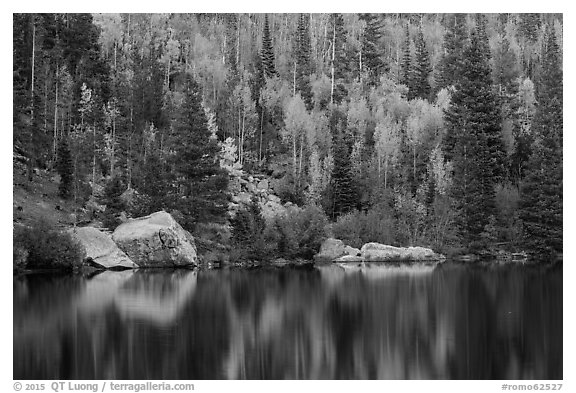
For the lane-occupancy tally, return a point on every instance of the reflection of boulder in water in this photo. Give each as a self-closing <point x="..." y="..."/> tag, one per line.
<point x="150" y="296"/>
<point x="101" y="290"/>
<point x="332" y="274"/>
<point x="144" y="295"/>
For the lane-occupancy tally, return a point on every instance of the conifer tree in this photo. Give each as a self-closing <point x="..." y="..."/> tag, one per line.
<point x="541" y="195"/>
<point x="473" y="141"/>
<point x="201" y="183"/>
<point x="372" y="61"/>
<point x="344" y="193"/>
<point x="422" y="69"/>
<point x="454" y="44"/>
<point x="407" y="63"/>
<point x="267" y="52"/>
<point x="303" y="61"/>
<point x="113" y="201"/>
<point x="65" y="169"/>
<point x="529" y="26"/>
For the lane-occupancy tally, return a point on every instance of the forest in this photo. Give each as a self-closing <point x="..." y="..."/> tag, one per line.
<point x="438" y="130"/>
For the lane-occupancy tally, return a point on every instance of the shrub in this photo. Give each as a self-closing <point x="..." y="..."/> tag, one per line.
<point x="114" y="203"/>
<point x="46" y="247"/>
<point x="299" y="233"/>
<point x="357" y="228"/>
<point x="248" y="233"/>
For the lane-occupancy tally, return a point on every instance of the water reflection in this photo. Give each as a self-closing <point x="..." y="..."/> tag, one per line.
<point x="327" y="323"/>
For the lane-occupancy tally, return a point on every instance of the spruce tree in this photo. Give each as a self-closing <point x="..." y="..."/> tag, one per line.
<point x="113" y="201"/>
<point x="344" y="195"/>
<point x="65" y="169"/>
<point x="422" y="69"/>
<point x="407" y="64"/>
<point x="267" y="52"/>
<point x="201" y="184"/>
<point x="454" y="44"/>
<point x="303" y="61"/>
<point x="473" y="141"/>
<point x="541" y="194"/>
<point x="372" y="61"/>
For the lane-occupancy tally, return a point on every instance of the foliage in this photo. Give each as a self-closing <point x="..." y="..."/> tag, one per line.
<point x="248" y="232"/>
<point x="375" y="225"/>
<point x="541" y="203"/>
<point x="200" y="192"/>
<point x="46" y="247"/>
<point x="65" y="169"/>
<point x="299" y="233"/>
<point x="111" y="198"/>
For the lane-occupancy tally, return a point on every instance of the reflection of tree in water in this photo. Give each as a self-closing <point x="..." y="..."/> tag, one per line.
<point x="455" y="322"/>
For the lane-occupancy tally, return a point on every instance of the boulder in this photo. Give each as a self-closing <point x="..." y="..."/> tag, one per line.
<point x="349" y="259"/>
<point x="242" y="198"/>
<point x="330" y="250"/>
<point x="273" y="198"/>
<point x="352" y="251"/>
<point x="101" y="249"/>
<point x="156" y="240"/>
<point x="377" y="252"/>
<point x="263" y="185"/>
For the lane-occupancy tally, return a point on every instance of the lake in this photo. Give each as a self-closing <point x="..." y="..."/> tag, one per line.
<point x="446" y="322"/>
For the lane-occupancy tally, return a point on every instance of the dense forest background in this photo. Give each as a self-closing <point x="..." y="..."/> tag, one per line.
<point x="409" y="129"/>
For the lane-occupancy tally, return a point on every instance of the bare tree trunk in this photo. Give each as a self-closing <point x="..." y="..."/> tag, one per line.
<point x="300" y="163"/>
<point x="93" y="157"/>
<point x="55" y="138"/>
<point x="294" y="156"/>
<point x="294" y="82"/>
<point x="31" y="141"/>
<point x="385" y="172"/>
<point x="261" y="131"/>
<point x="46" y="102"/>
<point x="333" y="58"/>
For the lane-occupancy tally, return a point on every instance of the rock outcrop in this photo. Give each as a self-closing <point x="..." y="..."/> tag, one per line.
<point x="330" y="250"/>
<point x="376" y="252"/>
<point x="334" y="250"/>
<point x="156" y="240"/>
<point x="101" y="249"/>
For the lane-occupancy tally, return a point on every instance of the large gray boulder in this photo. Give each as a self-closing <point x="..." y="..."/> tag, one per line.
<point x="101" y="249"/>
<point x="376" y="252"/>
<point x="156" y="240"/>
<point x="330" y="250"/>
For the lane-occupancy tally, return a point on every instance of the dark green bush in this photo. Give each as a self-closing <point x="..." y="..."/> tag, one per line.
<point x="114" y="203"/>
<point x="248" y="234"/>
<point x="44" y="247"/>
<point x="299" y="233"/>
<point x="357" y="228"/>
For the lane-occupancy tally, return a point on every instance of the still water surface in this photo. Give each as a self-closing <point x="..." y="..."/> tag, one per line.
<point x="448" y="322"/>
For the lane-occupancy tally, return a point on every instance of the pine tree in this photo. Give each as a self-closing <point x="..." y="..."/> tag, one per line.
<point x="541" y="195"/>
<point x="303" y="61"/>
<point x="473" y="141"/>
<point x="201" y="183"/>
<point x="454" y="43"/>
<point x="372" y="61"/>
<point x="422" y="69"/>
<point x="112" y="198"/>
<point x="344" y="195"/>
<point x="529" y="26"/>
<point x="65" y="169"/>
<point x="267" y="52"/>
<point x="407" y="64"/>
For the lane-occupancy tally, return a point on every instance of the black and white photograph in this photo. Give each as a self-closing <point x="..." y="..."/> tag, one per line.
<point x="287" y="196"/>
